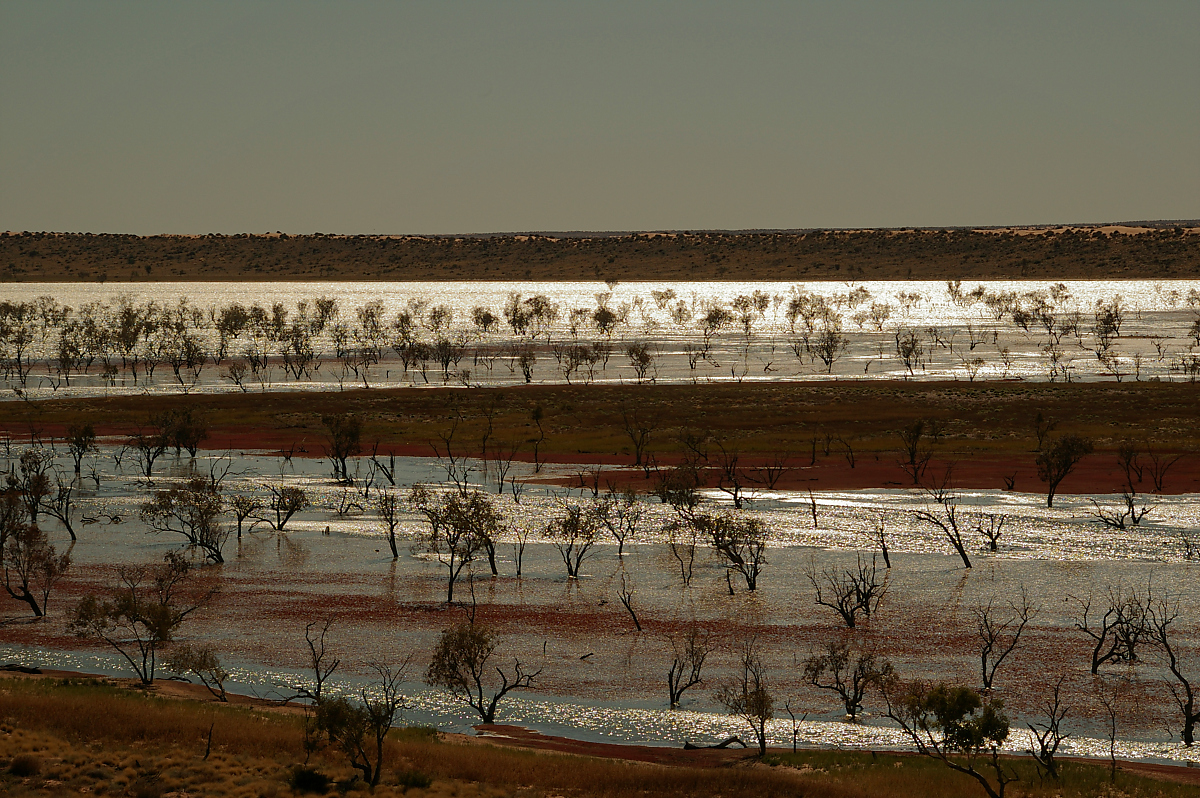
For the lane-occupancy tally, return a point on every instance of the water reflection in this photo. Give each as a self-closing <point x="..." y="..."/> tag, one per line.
<point x="485" y="333"/>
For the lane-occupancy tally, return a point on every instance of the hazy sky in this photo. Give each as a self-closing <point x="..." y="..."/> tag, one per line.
<point x="446" y="117"/>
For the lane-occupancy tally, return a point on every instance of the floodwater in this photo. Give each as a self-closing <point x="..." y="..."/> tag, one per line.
<point x="601" y="679"/>
<point x="893" y="329"/>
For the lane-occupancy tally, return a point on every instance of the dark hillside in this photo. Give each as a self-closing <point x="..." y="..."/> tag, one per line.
<point x="1088" y="252"/>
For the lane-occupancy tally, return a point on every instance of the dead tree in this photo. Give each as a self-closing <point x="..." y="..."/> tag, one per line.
<point x="1160" y="463"/>
<point x="729" y="475"/>
<point x="638" y="425"/>
<point x="387" y="505"/>
<point x="1117" y="627"/>
<point x="1046" y="737"/>
<point x="879" y="537"/>
<point x="771" y="472"/>
<point x="1159" y="620"/>
<point x="999" y="636"/>
<point x="682" y="540"/>
<point x="947" y="519"/>
<point x="847" y="672"/>
<point x="1118" y="517"/>
<point x="625" y="594"/>
<point x="690" y="652"/>
<point x="990" y="526"/>
<point x="848" y="592"/>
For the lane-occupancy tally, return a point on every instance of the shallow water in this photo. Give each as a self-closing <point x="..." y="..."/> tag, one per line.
<point x="272" y="584"/>
<point x="962" y="336"/>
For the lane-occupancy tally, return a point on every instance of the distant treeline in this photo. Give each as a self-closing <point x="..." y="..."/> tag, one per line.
<point x="1167" y="252"/>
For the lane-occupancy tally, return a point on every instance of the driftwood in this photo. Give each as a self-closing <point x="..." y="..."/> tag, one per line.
<point x="14" y="668"/>
<point x="722" y="744"/>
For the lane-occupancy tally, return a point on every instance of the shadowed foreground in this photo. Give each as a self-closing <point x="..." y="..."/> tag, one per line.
<point x="71" y="736"/>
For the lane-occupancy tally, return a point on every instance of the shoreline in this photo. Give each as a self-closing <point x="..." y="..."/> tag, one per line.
<point x="520" y="737"/>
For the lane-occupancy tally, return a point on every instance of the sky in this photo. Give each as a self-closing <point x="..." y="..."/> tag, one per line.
<point x="475" y="117"/>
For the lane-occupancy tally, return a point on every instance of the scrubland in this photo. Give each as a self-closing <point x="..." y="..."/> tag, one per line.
<point x="81" y="736"/>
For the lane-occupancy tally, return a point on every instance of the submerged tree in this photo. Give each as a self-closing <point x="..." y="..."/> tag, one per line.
<point x="191" y="509"/>
<point x="142" y="613"/>
<point x="460" y="527"/>
<point x="747" y="695"/>
<point x="460" y="666"/>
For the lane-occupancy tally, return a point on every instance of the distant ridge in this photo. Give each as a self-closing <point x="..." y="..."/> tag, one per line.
<point x="1126" y="250"/>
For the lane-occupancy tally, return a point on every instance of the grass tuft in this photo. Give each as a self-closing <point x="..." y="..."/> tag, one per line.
<point x="413" y="779"/>
<point x="25" y="765"/>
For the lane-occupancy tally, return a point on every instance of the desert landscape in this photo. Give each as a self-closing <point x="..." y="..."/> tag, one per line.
<point x="837" y="535"/>
<point x="587" y="400"/>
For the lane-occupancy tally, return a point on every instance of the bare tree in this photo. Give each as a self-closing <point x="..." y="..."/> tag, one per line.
<point x="1160" y="464"/>
<point x="460" y="666"/>
<point x="1159" y="620"/>
<point x="682" y="540"/>
<point x="1059" y="459"/>
<point x="878" y="536"/>
<point x="521" y="533"/>
<point x="387" y="505"/>
<point x="773" y="470"/>
<point x="947" y="519"/>
<point x="849" y="592"/>
<point x="729" y="476"/>
<point x="847" y="672"/>
<point x="689" y="653"/>
<point x="321" y="661"/>
<point x="990" y="526"/>
<point x="1118" y="627"/>
<point x="1046" y="737"/>
<point x="625" y="594"/>
<point x="747" y="695"/>
<point x="1118" y="517"/>
<point x="998" y="636"/>
<point x="60" y="504"/>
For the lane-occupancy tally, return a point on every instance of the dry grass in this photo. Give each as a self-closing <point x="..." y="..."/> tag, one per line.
<point x="992" y="418"/>
<point x="63" y="737"/>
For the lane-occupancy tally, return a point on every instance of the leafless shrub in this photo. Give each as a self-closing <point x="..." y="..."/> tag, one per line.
<point x="848" y="592"/>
